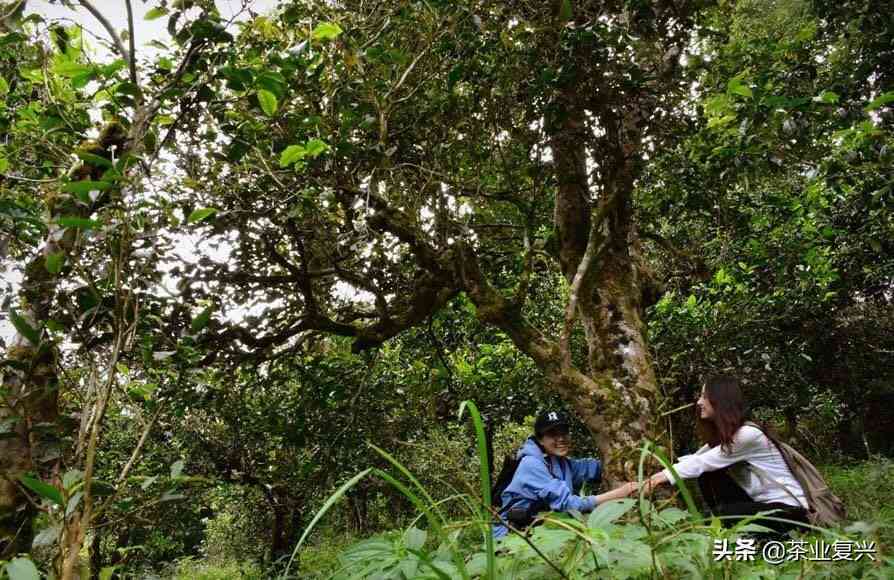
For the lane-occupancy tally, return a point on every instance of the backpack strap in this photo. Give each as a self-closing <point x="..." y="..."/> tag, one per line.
<point x="763" y="475"/>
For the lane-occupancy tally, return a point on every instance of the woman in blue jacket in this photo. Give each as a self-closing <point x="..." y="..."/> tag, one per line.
<point x="547" y="479"/>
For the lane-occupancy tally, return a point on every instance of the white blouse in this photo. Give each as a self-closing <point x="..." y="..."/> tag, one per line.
<point x="752" y="446"/>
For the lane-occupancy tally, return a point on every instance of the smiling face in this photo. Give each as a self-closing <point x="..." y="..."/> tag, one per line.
<point x="556" y="442"/>
<point x="705" y="408"/>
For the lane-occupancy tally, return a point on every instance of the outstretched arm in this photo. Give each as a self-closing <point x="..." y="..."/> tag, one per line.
<point x="659" y="478"/>
<point x="537" y="482"/>
<point x="619" y="492"/>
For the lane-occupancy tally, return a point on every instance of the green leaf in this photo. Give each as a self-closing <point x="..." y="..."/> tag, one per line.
<point x="77" y="223"/>
<point x="147" y="482"/>
<point x="54" y="262"/>
<point x="176" y="469"/>
<point x="101" y="488"/>
<point x="113" y="67"/>
<point x="35" y="75"/>
<point x="316" y="147"/>
<point x="23" y="328"/>
<point x="4" y="86"/>
<point x="80" y="81"/>
<point x="326" y="31"/>
<point x="85" y="187"/>
<point x="268" y="102"/>
<point x="484" y="479"/>
<point x="42" y="489"/>
<point x="93" y="159"/>
<point x="673" y="515"/>
<point x="4" y="164"/>
<point x="22" y="569"/>
<point x="106" y="573"/>
<point x="201" y="214"/>
<point x="73" y="502"/>
<point x="565" y="11"/>
<point x="71" y="69"/>
<point x="201" y="321"/>
<point x="454" y="76"/>
<point x="827" y="97"/>
<point x="415" y="538"/>
<point x="72" y="477"/>
<point x="607" y="512"/>
<point x="141" y="392"/>
<point x="292" y="154"/>
<point x="237" y="78"/>
<point x="56" y="326"/>
<point x="11" y="38"/>
<point x="272" y="81"/>
<point x="880" y="101"/>
<point x="155" y="13"/>
<point x="737" y="87"/>
<point x="46" y="537"/>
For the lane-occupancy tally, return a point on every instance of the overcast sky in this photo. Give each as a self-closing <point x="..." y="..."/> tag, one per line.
<point x="144" y="30"/>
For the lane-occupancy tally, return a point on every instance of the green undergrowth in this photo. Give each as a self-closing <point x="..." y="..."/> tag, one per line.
<point x="615" y="541"/>
<point x="867" y="489"/>
<point x="630" y="538"/>
<point x="190" y="569"/>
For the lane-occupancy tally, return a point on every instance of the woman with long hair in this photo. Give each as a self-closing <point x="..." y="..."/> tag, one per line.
<point x="740" y="470"/>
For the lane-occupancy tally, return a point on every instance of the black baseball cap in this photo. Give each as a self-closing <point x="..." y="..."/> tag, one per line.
<point x="551" y="421"/>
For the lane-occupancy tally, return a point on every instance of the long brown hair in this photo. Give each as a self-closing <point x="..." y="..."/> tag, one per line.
<point x="725" y="396"/>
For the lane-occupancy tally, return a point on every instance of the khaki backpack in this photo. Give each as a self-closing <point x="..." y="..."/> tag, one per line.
<point x="824" y="507"/>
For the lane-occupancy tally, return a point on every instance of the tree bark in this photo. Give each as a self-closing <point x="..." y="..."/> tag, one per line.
<point x="613" y="388"/>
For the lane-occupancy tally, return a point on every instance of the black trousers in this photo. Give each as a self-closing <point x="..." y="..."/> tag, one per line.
<point x="726" y="499"/>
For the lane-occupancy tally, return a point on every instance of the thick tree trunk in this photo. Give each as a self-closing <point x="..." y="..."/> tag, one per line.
<point x="619" y="358"/>
<point x="613" y="388"/>
<point x="599" y="255"/>
<point x="615" y="398"/>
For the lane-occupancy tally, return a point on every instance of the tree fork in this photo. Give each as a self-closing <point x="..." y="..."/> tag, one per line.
<point x="603" y="267"/>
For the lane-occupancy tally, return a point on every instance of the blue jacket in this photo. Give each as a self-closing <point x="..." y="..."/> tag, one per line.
<point x="549" y="479"/>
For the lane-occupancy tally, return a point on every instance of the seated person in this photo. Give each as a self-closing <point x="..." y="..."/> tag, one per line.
<point x="547" y="479"/>
<point x="740" y="470"/>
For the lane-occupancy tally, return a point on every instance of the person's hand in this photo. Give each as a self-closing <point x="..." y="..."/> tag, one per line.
<point x="649" y="486"/>
<point x="625" y="489"/>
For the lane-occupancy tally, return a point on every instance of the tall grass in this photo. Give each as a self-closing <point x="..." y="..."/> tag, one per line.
<point x="629" y="538"/>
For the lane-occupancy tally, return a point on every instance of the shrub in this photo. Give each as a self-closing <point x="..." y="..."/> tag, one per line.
<point x="867" y="490"/>
<point x="190" y="569"/>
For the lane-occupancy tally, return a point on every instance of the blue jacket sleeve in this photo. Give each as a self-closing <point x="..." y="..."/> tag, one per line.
<point x="536" y="482"/>
<point x="585" y="470"/>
